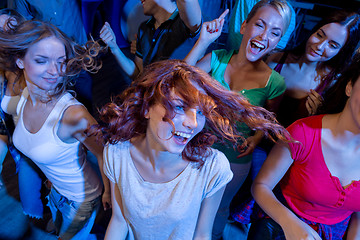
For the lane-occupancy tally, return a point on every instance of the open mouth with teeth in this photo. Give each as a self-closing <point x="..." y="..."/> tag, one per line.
<point x="181" y="136"/>
<point x="256" y="47"/>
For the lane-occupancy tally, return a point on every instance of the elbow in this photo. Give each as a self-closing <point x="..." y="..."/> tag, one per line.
<point x="256" y="189"/>
<point x="253" y="189"/>
<point x="203" y="237"/>
<point x="185" y="1"/>
<point x="134" y="74"/>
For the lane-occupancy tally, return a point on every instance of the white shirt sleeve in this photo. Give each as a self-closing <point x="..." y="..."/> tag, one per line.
<point x="109" y="160"/>
<point x="219" y="173"/>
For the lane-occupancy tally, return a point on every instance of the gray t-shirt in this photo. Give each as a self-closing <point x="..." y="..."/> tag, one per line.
<point x="164" y="210"/>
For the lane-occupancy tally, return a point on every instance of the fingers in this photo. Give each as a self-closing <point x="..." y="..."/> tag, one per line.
<point x="106" y="37"/>
<point x="213" y="26"/>
<point x="223" y="15"/>
<point x="133" y="47"/>
<point x="311" y="106"/>
<point x="105" y="206"/>
<point x="316" y="96"/>
<point x="313" y="102"/>
<point x="106" y="201"/>
<point x="248" y="151"/>
<point x="245" y="149"/>
<point x="308" y="108"/>
<point x="106" y="27"/>
<point x="217" y="24"/>
<point x="106" y="33"/>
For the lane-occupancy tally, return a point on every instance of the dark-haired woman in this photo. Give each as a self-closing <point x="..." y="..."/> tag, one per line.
<point x="319" y="174"/>
<point x="310" y="68"/>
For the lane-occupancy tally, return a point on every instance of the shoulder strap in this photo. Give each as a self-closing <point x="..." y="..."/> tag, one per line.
<point x="66" y="101"/>
<point x="279" y="66"/>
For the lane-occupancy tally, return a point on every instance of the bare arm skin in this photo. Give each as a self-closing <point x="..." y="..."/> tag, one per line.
<point x="117" y="228"/>
<point x="208" y="210"/>
<point x="274" y="168"/>
<point x="210" y="31"/>
<point x="132" y="68"/>
<point x="354" y="227"/>
<point x="72" y="128"/>
<point x="190" y="13"/>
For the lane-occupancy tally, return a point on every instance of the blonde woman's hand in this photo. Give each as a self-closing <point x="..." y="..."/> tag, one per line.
<point x="210" y="31"/>
<point x="108" y="36"/>
<point x="313" y="102"/>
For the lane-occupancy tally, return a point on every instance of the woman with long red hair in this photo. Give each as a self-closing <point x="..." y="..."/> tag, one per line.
<point x="166" y="180"/>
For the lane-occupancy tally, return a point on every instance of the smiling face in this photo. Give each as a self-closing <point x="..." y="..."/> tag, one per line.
<point x="163" y="136"/>
<point x="41" y="63"/>
<point x="326" y="42"/>
<point x="261" y="33"/>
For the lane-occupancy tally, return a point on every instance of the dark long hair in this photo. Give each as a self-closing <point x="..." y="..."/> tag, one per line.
<point x="124" y="118"/>
<point x="335" y="98"/>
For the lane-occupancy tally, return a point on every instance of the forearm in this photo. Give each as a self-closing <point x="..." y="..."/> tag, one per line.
<point x="266" y="199"/>
<point x="207" y="214"/>
<point x="190" y="13"/>
<point x="258" y="136"/>
<point x="118" y="227"/>
<point x="196" y="52"/>
<point x="354" y="227"/>
<point x="105" y="180"/>
<point x="202" y="237"/>
<point x="125" y="63"/>
<point x="116" y="230"/>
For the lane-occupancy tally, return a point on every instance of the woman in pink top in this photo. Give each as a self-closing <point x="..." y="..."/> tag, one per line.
<point x="319" y="177"/>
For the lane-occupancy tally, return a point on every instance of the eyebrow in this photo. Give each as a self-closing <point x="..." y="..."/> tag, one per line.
<point x="178" y="99"/>
<point x="48" y="57"/>
<point x="335" y="42"/>
<point x="264" y="22"/>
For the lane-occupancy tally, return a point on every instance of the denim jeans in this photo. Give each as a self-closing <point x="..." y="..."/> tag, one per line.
<point x="73" y="220"/>
<point x="31" y="180"/>
<point x="30" y="183"/>
<point x="266" y="229"/>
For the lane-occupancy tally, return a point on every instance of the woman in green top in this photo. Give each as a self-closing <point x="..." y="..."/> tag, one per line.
<point x="245" y="72"/>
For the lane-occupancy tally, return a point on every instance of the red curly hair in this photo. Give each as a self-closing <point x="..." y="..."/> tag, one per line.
<point x="124" y="118"/>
